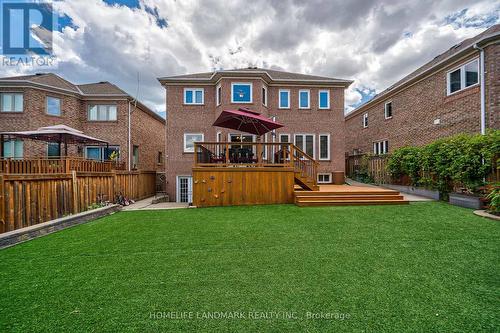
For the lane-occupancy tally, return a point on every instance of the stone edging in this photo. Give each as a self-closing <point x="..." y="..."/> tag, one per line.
<point x="484" y="213"/>
<point x="24" y="234"/>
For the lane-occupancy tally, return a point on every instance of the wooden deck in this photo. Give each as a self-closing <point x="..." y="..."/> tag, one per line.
<point x="346" y="195"/>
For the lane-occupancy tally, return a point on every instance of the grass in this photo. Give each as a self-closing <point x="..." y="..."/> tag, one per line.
<point x="427" y="267"/>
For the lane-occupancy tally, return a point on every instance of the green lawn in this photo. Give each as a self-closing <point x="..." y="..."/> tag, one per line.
<point x="427" y="267"/>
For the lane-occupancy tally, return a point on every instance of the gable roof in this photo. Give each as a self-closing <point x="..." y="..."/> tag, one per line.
<point x="98" y="89"/>
<point x="269" y="74"/>
<point x="453" y="52"/>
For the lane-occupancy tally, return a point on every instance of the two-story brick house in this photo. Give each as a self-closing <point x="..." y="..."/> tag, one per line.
<point x="446" y="96"/>
<point x="99" y="109"/>
<point x="311" y="108"/>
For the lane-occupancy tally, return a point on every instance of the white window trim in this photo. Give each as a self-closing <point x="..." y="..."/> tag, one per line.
<point x="193" y="89"/>
<point x="98" y="105"/>
<point x="14" y="101"/>
<point x="308" y="98"/>
<point x="328" y="99"/>
<point x="319" y="146"/>
<point x="265" y="95"/>
<point x="462" y="77"/>
<point x="184" y="143"/>
<point x="217" y="98"/>
<point x="382" y="146"/>
<point x="303" y="137"/>
<point x="365" y="116"/>
<point x="101" y="150"/>
<point x="288" y="98"/>
<point x="241" y="83"/>
<point x="385" y="109"/>
<point x="329" y="174"/>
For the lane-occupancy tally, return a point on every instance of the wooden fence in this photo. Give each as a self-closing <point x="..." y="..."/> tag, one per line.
<point x="43" y="165"/>
<point x="376" y="167"/>
<point x="28" y="199"/>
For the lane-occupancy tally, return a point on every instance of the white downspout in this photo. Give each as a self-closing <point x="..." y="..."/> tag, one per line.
<point x="483" y="90"/>
<point x="129" y="137"/>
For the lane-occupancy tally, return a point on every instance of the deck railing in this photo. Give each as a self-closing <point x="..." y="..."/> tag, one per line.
<point x="254" y="154"/>
<point x="45" y="165"/>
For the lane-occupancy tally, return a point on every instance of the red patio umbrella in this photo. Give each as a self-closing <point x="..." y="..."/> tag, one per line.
<point x="245" y="120"/>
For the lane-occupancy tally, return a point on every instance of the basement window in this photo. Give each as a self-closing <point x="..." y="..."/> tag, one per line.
<point x="324" y="178"/>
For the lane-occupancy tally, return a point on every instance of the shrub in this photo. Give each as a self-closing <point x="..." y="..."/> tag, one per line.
<point x="463" y="160"/>
<point x="494" y="198"/>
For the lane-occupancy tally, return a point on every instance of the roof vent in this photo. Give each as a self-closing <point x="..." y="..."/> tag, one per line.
<point x="102" y="82"/>
<point x="40" y="74"/>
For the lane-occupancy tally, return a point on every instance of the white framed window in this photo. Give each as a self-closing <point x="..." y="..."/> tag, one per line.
<point x="324" y="99"/>
<point x="194" y="96"/>
<point x="381" y="147"/>
<point x="218" y="94"/>
<point x="13" y="148"/>
<point x="53" y="106"/>
<point x="11" y="102"/>
<point x="102" y="112"/>
<point x="241" y="92"/>
<point x="264" y="95"/>
<point x="306" y="143"/>
<point x="190" y="139"/>
<point x="462" y="77"/>
<point x="304" y="99"/>
<point x="324" y="178"/>
<point x="324" y="146"/>
<point x="284" y="99"/>
<point x="365" y="120"/>
<point x="388" y="110"/>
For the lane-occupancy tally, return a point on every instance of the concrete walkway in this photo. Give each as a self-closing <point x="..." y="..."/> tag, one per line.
<point x="407" y="196"/>
<point x="148" y="204"/>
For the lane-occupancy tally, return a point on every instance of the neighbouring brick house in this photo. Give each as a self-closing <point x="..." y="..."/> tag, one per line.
<point x="311" y="108"/>
<point x="439" y="99"/>
<point x="99" y="109"/>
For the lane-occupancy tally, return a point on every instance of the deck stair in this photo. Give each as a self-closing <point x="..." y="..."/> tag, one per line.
<point x="345" y="195"/>
<point x="305" y="169"/>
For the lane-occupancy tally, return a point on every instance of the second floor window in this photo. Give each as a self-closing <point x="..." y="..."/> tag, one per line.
<point x="365" y="120"/>
<point x="11" y="102"/>
<point x="463" y="77"/>
<point x="218" y="95"/>
<point x="53" y="106"/>
<point x="304" y="99"/>
<point x="241" y="92"/>
<point x="102" y="112"/>
<point x="324" y="99"/>
<point x="284" y="99"/>
<point x="264" y="96"/>
<point x="194" y="96"/>
<point x="388" y="110"/>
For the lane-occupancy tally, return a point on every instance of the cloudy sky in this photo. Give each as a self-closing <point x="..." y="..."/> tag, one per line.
<point x="372" y="42"/>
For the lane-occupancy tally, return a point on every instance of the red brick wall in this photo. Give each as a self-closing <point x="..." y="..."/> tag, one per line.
<point x="147" y="131"/>
<point x="199" y="119"/>
<point x="414" y="111"/>
<point x="492" y="82"/>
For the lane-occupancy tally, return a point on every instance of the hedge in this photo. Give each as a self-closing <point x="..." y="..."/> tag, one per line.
<point x="463" y="159"/>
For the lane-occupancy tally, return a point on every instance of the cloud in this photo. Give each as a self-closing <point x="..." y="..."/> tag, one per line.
<point x="373" y="42"/>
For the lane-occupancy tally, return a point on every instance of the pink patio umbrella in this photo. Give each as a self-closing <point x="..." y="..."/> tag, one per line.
<point x="245" y="120"/>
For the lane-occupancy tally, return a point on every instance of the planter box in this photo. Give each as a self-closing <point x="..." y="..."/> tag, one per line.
<point x="464" y="200"/>
<point x="420" y="191"/>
